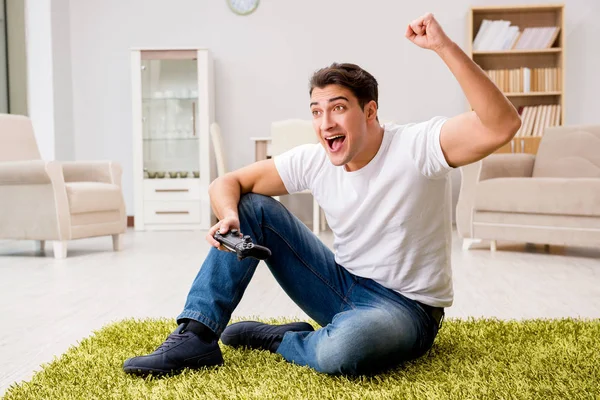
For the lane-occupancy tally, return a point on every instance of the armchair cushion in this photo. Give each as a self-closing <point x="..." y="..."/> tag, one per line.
<point x="87" y="197"/>
<point x="561" y="196"/>
<point x="569" y="152"/>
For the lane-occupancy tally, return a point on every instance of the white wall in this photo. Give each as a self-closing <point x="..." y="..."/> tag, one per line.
<point x="62" y="81"/>
<point x="49" y="79"/>
<point x="40" y="84"/>
<point x="263" y="62"/>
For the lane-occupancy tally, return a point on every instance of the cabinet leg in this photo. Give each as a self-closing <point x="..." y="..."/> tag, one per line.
<point x="493" y="245"/>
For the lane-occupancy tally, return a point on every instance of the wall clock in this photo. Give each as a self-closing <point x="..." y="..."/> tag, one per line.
<point x="243" y="7"/>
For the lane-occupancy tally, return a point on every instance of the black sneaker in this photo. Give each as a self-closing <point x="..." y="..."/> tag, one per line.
<point x="256" y="335"/>
<point x="181" y="350"/>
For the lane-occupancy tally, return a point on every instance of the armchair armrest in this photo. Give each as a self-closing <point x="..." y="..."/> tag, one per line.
<point x="493" y="166"/>
<point x="30" y="172"/>
<point x="506" y="165"/>
<point x="34" y="201"/>
<point x="92" y="171"/>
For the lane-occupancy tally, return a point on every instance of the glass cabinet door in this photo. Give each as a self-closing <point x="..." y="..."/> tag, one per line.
<point x="169" y="117"/>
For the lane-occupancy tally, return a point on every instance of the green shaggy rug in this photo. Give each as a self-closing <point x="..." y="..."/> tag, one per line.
<point x="475" y="358"/>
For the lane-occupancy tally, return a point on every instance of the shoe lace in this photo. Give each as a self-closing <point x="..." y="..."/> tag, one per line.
<point x="263" y="340"/>
<point x="171" y="340"/>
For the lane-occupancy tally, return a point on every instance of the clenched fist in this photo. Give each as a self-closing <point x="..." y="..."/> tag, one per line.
<point x="427" y="33"/>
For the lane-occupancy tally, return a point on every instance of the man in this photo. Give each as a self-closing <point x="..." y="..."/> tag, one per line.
<point x="385" y="190"/>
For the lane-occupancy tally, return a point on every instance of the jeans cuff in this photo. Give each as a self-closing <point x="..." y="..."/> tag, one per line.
<point x="189" y="314"/>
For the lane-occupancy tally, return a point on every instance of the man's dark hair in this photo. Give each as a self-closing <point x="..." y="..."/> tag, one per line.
<point x="361" y="83"/>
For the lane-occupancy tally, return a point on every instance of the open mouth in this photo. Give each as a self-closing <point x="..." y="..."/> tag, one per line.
<point x="335" y="142"/>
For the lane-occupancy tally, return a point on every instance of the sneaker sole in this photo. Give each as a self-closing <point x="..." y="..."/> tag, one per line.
<point x="143" y="371"/>
<point x="149" y="371"/>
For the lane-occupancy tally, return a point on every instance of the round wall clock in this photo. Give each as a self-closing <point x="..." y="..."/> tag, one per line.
<point x="243" y="7"/>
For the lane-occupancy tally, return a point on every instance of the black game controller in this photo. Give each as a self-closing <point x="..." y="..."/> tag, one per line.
<point x="243" y="246"/>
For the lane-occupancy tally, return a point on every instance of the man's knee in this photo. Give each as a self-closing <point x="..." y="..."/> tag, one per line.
<point x="335" y="359"/>
<point x="372" y="346"/>
<point x="255" y="200"/>
<point x="257" y="205"/>
<point x="345" y="357"/>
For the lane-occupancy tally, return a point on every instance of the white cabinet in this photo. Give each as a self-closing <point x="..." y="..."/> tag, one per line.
<point x="173" y="107"/>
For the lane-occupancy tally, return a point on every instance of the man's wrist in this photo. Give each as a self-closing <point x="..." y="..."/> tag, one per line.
<point x="230" y="214"/>
<point x="445" y="48"/>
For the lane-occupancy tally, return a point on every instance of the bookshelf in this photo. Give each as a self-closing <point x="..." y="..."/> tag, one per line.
<point x="522" y="48"/>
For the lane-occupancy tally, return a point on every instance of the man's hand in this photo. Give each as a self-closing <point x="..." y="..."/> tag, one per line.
<point x="427" y="33"/>
<point x="224" y="225"/>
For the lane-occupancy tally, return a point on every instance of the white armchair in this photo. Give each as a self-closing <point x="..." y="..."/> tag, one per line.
<point x="288" y="134"/>
<point x="51" y="200"/>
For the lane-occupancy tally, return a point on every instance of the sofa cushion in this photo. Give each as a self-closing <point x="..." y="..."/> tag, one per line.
<point x="563" y="196"/>
<point x="569" y="152"/>
<point x="93" y="196"/>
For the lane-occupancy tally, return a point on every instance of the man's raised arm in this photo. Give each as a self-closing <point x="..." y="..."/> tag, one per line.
<point x="473" y="135"/>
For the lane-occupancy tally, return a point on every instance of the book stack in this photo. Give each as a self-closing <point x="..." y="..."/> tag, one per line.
<point x="526" y="80"/>
<point x="536" y="118"/>
<point x="498" y="35"/>
<point x="537" y="38"/>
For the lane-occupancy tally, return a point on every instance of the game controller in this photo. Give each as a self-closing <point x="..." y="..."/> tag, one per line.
<point x="243" y="246"/>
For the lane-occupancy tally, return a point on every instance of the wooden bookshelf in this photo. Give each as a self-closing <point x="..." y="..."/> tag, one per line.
<point x="516" y="51"/>
<point x="525" y="16"/>
<point x="520" y="94"/>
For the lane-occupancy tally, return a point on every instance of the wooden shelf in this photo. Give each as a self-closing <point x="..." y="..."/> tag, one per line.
<point x="519" y="8"/>
<point x="533" y="94"/>
<point x="523" y="144"/>
<point x="500" y="63"/>
<point x="515" y="52"/>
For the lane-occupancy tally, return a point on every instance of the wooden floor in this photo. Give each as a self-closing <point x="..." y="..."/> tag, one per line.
<point x="47" y="305"/>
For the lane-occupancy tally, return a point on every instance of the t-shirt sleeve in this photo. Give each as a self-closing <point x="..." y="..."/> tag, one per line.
<point x="296" y="167"/>
<point x="422" y="141"/>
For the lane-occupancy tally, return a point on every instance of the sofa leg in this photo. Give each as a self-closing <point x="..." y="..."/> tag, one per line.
<point x="60" y="249"/>
<point x="117" y="242"/>
<point x="468" y="242"/>
<point x="40" y="246"/>
<point x="493" y="245"/>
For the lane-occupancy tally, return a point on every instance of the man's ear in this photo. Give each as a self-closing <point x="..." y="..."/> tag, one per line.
<point x="371" y="110"/>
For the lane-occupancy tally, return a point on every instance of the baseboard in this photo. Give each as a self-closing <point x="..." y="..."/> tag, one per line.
<point x="130" y="221"/>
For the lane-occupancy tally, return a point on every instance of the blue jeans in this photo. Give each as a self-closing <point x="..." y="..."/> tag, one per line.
<point x="366" y="328"/>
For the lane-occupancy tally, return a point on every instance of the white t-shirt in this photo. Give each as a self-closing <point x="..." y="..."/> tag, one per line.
<point x="391" y="219"/>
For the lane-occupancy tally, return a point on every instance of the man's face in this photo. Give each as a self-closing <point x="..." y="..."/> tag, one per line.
<point x="339" y="122"/>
